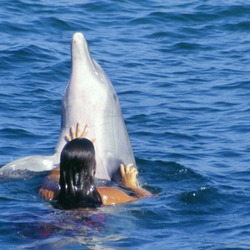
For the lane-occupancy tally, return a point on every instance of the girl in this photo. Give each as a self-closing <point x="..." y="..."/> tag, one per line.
<point x="76" y="181"/>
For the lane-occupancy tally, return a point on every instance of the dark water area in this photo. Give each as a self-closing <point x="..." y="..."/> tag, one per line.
<point x="181" y="72"/>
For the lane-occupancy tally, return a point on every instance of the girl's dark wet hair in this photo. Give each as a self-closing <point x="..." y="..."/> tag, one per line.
<point x="77" y="171"/>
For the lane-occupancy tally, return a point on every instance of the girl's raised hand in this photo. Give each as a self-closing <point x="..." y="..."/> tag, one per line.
<point x="129" y="175"/>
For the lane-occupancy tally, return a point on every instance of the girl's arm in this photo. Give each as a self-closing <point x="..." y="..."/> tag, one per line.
<point x="50" y="187"/>
<point x="114" y="196"/>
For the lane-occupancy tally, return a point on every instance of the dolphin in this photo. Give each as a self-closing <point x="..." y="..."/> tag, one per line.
<point x="89" y="99"/>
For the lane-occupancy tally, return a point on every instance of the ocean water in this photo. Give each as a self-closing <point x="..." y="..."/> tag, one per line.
<point x="181" y="72"/>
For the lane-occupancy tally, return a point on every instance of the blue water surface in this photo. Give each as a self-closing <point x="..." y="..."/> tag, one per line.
<point x="181" y="72"/>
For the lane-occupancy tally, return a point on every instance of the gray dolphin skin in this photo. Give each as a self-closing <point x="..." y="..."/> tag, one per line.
<point x="91" y="100"/>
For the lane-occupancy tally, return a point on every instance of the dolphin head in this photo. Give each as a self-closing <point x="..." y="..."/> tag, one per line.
<point x="84" y="65"/>
<point x="89" y="95"/>
<point x="88" y="87"/>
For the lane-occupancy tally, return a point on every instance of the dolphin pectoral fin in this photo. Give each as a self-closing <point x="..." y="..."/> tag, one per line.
<point x="35" y="163"/>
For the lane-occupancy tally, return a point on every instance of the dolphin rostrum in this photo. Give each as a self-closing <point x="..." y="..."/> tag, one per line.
<point x="91" y="100"/>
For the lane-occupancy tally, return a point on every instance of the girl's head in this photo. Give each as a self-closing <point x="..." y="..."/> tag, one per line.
<point x="77" y="171"/>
